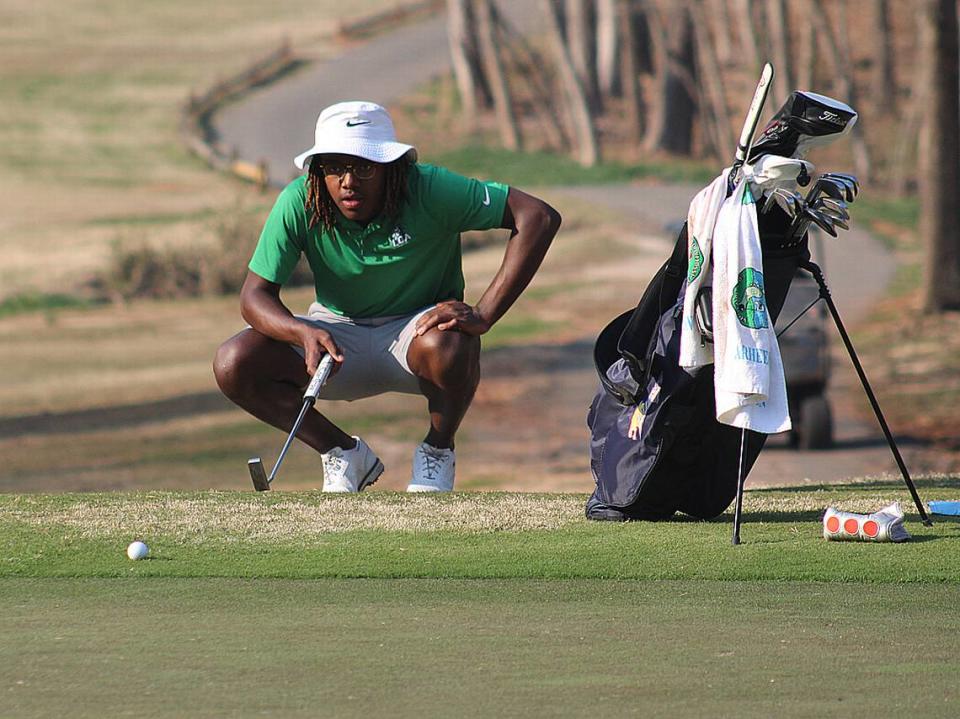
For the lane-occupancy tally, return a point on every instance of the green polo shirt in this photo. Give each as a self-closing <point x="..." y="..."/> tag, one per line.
<point x="388" y="267"/>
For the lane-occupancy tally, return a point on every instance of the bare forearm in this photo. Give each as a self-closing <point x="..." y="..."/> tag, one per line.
<point x="265" y="312"/>
<point x="535" y="230"/>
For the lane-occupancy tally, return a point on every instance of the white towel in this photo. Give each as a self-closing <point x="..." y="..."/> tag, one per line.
<point x="748" y="376"/>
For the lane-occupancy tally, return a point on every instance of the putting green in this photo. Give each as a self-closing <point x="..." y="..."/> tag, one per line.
<point x="383" y="604"/>
<point x="433" y="647"/>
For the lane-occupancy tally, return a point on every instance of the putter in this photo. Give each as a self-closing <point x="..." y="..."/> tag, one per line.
<point x="261" y="482"/>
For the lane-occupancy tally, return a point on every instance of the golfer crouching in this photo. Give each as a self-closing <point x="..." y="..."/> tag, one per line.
<point x="381" y="234"/>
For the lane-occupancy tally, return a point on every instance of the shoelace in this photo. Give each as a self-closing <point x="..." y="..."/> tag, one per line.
<point x="433" y="459"/>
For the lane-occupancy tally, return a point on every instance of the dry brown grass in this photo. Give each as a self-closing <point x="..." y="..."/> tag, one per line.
<point x="91" y="91"/>
<point x="201" y="519"/>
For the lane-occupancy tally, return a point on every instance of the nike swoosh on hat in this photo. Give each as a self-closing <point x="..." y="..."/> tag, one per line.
<point x="354" y="123"/>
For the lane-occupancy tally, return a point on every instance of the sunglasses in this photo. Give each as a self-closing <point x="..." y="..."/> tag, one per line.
<point x="360" y="170"/>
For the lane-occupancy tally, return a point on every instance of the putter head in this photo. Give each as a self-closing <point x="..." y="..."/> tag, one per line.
<point x="258" y="475"/>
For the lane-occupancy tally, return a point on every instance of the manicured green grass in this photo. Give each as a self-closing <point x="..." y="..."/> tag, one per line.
<point x="496" y="535"/>
<point x="382" y="604"/>
<point x="451" y="648"/>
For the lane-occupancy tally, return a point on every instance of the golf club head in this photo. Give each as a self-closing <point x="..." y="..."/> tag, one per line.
<point x="835" y="205"/>
<point x="850" y="183"/>
<point x="837" y="221"/>
<point x="791" y="202"/>
<point x="258" y="475"/>
<point x="831" y="188"/>
<point x="788" y="201"/>
<point x="826" y="206"/>
<point x="821" y="221"/>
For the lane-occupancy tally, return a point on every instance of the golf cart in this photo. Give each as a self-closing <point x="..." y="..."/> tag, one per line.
<point x="806" y="363"/>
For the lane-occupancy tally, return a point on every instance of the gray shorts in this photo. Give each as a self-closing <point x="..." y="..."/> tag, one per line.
<point x="374" y="353"/>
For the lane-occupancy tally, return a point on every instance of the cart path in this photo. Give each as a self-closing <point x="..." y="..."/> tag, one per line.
<point x="276" y="122"/>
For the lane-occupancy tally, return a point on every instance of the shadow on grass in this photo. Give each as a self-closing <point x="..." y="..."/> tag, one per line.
<point x="129" y="415"/>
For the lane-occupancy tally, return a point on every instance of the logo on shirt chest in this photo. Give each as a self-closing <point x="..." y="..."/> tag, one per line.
<point x="399" y="237"/>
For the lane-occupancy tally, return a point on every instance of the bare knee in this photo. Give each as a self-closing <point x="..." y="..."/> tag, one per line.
<point x="448" y="359"/>
<point x="229" y="364"/>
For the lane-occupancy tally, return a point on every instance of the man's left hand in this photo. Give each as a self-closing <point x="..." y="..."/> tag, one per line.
<point x="453" y="315"/>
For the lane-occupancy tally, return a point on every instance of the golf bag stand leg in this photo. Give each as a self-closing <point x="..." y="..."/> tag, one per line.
<point x="817" y="273"/>
<point x="738" y="508"/>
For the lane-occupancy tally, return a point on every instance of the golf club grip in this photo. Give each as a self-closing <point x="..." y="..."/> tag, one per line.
<point x="319" y="377"/>
<point x="753" y="114"/>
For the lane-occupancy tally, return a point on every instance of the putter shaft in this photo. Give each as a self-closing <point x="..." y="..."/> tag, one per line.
<point x="261" y="482"/>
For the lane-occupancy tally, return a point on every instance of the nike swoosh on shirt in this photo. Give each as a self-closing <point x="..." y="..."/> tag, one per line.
<point x="486" y="197"/>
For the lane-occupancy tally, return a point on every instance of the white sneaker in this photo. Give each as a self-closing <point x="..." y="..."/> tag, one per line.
<point x="433" y="469"/>
<point x="350" y="470"/>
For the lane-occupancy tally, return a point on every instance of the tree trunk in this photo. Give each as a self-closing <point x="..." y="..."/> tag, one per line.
<point x="713" y="114"/>
<point x="671" y="126"/>
<point x="630" y="72"/>
<point x="460" y="34"/>
<point x="882" y="90"/>
<point x="608" y="50"/>
<point x="779" y="40"/>
<point x="719" y="17"/>
<point x="750" y="47"/>
<point x="806" y="57"/>
<point x="680" y="105"/>
<point x="903" y="159"/>
<point x="580" y="46"/>
<point x="940" y="158"/>
<point x="529" y="64"/>
<point x="839" y="58"/>
<point x="493" y="67"/>
<point x="587" y="153"/>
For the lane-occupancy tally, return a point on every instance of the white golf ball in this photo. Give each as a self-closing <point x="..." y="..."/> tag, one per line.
<point x="137" y="550"/>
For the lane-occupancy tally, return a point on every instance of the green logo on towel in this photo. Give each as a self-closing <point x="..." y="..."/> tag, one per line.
<point x="749" y="300"/>
<point x="696" y="261"/>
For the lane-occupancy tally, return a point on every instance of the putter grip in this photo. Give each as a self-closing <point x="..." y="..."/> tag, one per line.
<point x="319" y="377"/>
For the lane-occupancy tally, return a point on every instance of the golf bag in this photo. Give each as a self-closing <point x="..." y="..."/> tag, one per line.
<point x="656" y="447"/>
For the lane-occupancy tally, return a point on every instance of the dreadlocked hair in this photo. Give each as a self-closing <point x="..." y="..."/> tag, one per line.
<point x="320" y="206"/>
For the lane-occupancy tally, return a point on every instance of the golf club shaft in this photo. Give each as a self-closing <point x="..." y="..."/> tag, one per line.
<point x="307" y="404"/>
<point x="309" y="398"/>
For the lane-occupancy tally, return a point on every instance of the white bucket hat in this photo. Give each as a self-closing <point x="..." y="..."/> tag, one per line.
<point x="361" y="129"/>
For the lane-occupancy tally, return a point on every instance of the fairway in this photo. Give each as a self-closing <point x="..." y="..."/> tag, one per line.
<point x="497" y="604"/>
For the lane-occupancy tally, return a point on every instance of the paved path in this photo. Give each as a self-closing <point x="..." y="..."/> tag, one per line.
<point x="276" y="122"/>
